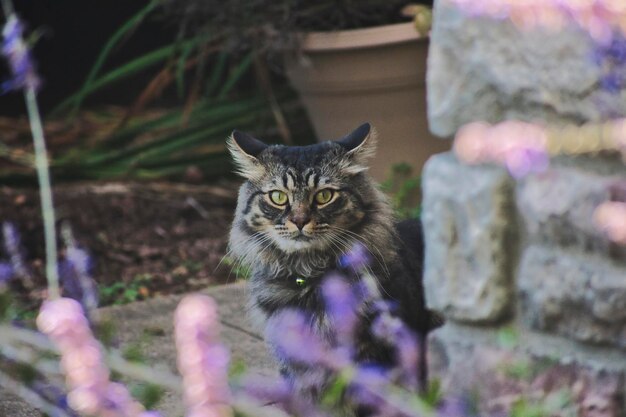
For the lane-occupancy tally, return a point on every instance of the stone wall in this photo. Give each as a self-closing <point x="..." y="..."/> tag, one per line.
<point x="521" y="260"/>
<point x="534" y="295"/>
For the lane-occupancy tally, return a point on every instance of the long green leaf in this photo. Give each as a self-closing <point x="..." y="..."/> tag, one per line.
<point x="131" y="24"/>
<point x="216" y="74"/>
<point x="236" y="75"/>
<point x="130" y="68"/>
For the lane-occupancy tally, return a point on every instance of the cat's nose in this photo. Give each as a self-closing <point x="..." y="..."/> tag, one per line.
<point x="300" y="220"/>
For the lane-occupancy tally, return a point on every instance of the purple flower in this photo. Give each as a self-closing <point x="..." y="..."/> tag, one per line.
<point x="13" y="248"/>
<point x="266" y="389"/>
<point x="616" y="50"/>
<point x="291" y="333"/>
<point x="523" y="161"/>
<point x="341" y="306"/>
<point x="369" y="379"/>
<point x="392" y="330"/>
<point x="74" y="272"/>
<point x="82" y="360"/>
<point x="52" y="394"/>
<point x="357" y="258"/>
<point x="202" y="360"/>
<point x="612" y="82"/>
<point x="18" y="56"/>
<point x="6" y="272"/>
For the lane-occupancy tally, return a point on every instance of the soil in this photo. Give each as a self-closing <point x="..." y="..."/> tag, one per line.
<point x="144" y="239"/>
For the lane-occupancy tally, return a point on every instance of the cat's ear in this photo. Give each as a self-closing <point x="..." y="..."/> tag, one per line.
<point x="360" y="145"/>
<point x="245" y="149"/>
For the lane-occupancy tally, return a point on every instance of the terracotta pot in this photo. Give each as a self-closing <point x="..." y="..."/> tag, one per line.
<point x="378" y="75"/>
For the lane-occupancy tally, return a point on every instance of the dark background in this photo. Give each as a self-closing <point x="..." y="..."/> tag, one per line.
<point x="73" y="34"/>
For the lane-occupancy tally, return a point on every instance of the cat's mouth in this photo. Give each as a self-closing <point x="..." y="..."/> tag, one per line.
<point x="301" y="237"/>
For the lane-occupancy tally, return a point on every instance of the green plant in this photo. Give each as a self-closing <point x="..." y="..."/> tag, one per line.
<point x="276" y="26"/>
<point x="124" y="293"/>
<point x="404" y="189"/>
<point x="148" y="145"/>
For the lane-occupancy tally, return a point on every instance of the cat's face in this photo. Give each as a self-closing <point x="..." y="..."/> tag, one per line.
<point x="303" y="198"/>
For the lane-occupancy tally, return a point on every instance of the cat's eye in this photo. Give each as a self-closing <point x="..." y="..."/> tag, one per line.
<point x="278" y="197"/>
<point x="324" y="196"/>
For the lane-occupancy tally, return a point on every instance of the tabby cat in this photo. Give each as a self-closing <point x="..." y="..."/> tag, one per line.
<point x="299" y="209"/>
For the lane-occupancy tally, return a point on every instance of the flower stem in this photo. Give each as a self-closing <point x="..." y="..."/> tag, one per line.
<point x="45" y="192"/>
<point x="7" y="8"/>
<point x="30" y="396"/>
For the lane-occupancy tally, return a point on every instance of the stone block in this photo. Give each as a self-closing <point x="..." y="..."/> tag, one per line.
<point x="581" y="297"/>
<point x="469" y="227"/>
<point x="557" y="207"/>
<point x="500" y="379"/>
<point x="487" y="69"/>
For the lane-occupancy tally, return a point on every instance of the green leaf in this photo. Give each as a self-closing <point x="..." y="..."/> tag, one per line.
<point x="433" y="394"/>
<point x="216" y="75"/>
<point x="121" y="73"/>
<point x="180" y="70"/>
<point x="236" y="75"/>
<point x="147" y="394"/>
<point x="130" y="24"/>
<point x="133" y="353"/>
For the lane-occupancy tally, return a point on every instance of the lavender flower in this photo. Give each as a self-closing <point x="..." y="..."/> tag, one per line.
<point x="18" y="56"/>
<point x="202" y="359"/>
<point x="74" y="272"/>
<point x="13" y="248"/>
<point x="6" y="272"/>
<point x="91" y="391"/>
<point x="358" y="257"/>
<point x="392" y="330"/>
<point x="369" y="378"/>
<point x="611" y="58"/>
<point x="52" y="394"/>
<point x="341" y="306"/>
<point x="291" y="334"/>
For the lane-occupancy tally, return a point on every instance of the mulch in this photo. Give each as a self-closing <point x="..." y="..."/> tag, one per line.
<point x="150" y="238"/>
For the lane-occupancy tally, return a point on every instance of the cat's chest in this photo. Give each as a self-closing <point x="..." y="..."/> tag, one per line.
<point x="298" y="267"/>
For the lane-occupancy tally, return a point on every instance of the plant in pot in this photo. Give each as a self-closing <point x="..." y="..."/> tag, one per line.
<point x="350" y="61"/>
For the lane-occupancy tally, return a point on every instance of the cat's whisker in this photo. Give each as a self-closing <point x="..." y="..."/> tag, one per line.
<point x="255" y="240"/>
<point x="232" y="249"/>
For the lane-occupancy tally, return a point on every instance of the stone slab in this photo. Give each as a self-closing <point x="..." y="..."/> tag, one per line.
<point x="557" y="207"/>
<point x="488" y="69"/>
<point x="467" y="214"/>
<point x="149" y="326"/>
<point x="499" y="375"/>
<point x="581" y="297"/>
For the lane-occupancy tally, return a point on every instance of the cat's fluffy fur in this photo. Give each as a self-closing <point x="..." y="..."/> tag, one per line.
<point x="264" y="238"/>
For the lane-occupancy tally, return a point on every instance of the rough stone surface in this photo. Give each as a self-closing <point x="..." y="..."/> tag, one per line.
<point x="557" y="208"/>
<point x="467" y="214"/>
<point x="487" y="69"/>
<point x="499" y="377"/>
<point x="578" y="296"/>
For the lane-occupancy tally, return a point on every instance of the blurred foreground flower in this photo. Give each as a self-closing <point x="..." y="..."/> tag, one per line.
<point x="202" y="359"/>
<point x="75" y="276"/>
<point x="598" y="17"/>
<point x="610" y="218"/>
<point x="519" y="146"/>
<point x="13" y="247"/>
<point x="91" y="391"/>
<point x="18" y="56"/>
